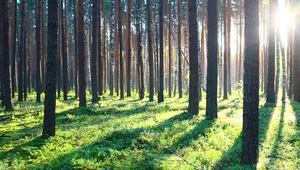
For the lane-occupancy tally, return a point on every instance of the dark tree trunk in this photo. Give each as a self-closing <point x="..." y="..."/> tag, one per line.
<point x="21" y="54"/>
<point x="161" y="53"/>
<point x="13" y="46"/>
<point x="128" y="42"/>
<point x="121" y="63"/>
<point x="100" y="57"/>
<point x="179" y="50"/>
<point x="251" y="84"/>
<point x="76" y="47"/>
<point x="225" y="74"/>
<point x="193" y="53"/>
<point x="5" y="55"/>
<point x="81" y="55"/>
<point x="64" y="53"/>
<point x="112" y="51"/>
<point x="212" y="65"/>
<point x="139" y="50"/>
<point x="271" y="62"/>
<point x="50" y="90"/>
<point x="150" y="50"/>
<point x="170" y="50"/>
<point x="38" y="50"/>
<point x="94" y="52"/>
<point x="229" y="45"/>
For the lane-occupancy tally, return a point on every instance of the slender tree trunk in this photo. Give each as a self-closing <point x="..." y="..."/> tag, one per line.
<point x="50" y="90"/>
<point x="21" y="54"/>
<point x="170" y="50"/>
<point x="76" y="47"/>
<point x="225" y="52"/>
<point x="128" y="42"/>
<point x="161" y="54"/>
<point x="94" y="52"/>
<point x="229" y="46"/>
<point x="64" y="52"/>
<point x="13" y="46"/>
<point x="100" y="56"/>
<point x="38" y="50"/>
<point x="212" y="64"/>
<point x="121" y="63"/>
<point x="112" y="51"/>
<point x="179" y="50"/>
<point x="81" y="55"/>
<point x="150" y="50"/>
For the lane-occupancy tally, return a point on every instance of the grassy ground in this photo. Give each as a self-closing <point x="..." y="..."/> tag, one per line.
<point x="134" y="134"/>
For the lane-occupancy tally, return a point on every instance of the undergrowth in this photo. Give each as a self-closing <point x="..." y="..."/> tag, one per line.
<point x="133" y="134"/>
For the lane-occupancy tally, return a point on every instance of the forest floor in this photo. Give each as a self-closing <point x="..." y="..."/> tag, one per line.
<point x="133" y="134"/>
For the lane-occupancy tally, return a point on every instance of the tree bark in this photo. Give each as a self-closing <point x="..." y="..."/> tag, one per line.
<point x="271" y="62"/>
<point x="50" y="90"/>
<point x="251" y="85"/>
<point x="5" y="56"/>
<point x="193" y="106"/>
<point x="94" y="52"/>
<point x="212" y="62"/>
<point x="81" y="55"/>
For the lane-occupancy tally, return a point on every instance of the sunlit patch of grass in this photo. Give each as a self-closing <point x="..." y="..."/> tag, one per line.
<point x="133" y="134"/>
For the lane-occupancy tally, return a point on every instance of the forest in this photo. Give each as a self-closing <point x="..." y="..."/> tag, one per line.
<point x="150" y="84"/>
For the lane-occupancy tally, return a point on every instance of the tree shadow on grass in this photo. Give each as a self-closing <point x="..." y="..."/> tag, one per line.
<point x="231" y="158"/>
<point x="115" y="147"/>
<point x="275" y="148"/>
<point x="21" y="151"/>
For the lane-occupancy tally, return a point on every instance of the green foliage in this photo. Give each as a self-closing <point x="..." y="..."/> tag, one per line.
<point x="133" y="134"/>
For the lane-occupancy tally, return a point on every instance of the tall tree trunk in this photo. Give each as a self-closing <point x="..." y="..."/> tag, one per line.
<point x="170" y="50"/>
<point x="161" y="54"/>
<point x="139" y="50"/>
<point x="116" y="44"/>
<point x="229" y="45"/>
<point x="128" y="42"/>
<point x="112" y="51"/>
<point x="284" y="77"/>
<point x="193" y="106"/>
<point x="179" y="50"/>
<point x="251" y="84"/>
<point x="94" y="52"/>
<point x="5" y="55"/>
<point x="150" y="50"/>
<point x="121" y="62"/>
<point x="100" y="56"/>
<point x="64" y="51"/>
<point x="38" y="50"/>
<point x="21" y="54"/>
<point x="296" y="57"/>
<point x="13" y="46"/>
<point x="50" y="90"/>
<point x="212" y="64"/>
<point x="225" y="74"/>
<point x="271" y="62"/>
<point x="76" y="47"/>
<point x="81" y="55"/>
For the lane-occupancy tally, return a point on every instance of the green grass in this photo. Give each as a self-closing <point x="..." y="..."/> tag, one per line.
<point x="133" y="134"/>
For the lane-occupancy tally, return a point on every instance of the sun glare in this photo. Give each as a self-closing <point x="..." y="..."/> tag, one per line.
<point x="284" y="20"/>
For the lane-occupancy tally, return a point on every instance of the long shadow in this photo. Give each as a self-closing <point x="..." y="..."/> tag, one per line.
<point x="230" y="159"/>
<point x="36" y="142"/>
<point x="118" y="141"/>
<point x="275" y="149"/>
